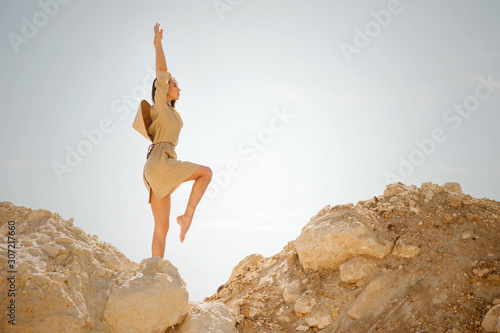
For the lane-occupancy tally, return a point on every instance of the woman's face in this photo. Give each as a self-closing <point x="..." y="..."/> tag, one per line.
<point x="173" y="90"/>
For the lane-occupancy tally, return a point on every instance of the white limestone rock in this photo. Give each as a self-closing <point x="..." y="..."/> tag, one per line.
<point x="304" y="304"/>
<point x="453" y="187"/>
<point x="151" y="300"/>
<point x="404" y="250"/>
<point x="245" y="264"/>
<point x="455" y="200"/>
<point x="357" y="269"/>
<point x="343" y="233"/>
<point x="38" y="215"/>
<point x="318" y="319"/>
<point x="292" y="292"/>
<point x="377" y="295"/>
<point x="61" y="283"/>
<point x="50" y="248"/>
<point x="209" y="317"/>
<point x="491" y="320"/>
<point x="395" y="188"/>
<point x="302" y="328"/>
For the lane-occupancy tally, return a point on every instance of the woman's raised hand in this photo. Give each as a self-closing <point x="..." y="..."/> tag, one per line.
<point x="158" y="34"/>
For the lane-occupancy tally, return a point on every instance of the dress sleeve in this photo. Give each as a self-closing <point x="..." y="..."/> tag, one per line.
<point x="161" y="84"/>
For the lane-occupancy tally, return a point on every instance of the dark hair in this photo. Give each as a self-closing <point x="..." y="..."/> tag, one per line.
<point x="153" y="90"/>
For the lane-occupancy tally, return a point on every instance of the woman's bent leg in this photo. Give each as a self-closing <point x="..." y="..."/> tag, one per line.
<point x="161" y="213"/>
<point x="202" y="178"/>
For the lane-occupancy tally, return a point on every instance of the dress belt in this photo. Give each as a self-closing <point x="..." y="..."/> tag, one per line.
<point x="151" y="146"/>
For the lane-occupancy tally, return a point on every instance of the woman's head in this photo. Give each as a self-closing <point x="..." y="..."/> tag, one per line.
<point x="173" y="92"/>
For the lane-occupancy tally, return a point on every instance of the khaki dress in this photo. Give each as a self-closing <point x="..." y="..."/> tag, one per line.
<point x="163" y="172"/>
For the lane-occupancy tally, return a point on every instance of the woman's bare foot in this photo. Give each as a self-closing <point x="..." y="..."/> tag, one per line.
<point x="185" y="222"/>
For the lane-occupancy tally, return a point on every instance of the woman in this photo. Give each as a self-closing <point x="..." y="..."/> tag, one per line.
<point x="163" y="172"/>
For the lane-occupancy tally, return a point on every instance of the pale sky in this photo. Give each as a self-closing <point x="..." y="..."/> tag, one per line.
<point x="293" y="104"/>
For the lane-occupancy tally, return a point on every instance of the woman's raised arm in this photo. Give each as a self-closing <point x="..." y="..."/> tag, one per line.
<point x="161" y="64"/>
<point x="162" y="75"/>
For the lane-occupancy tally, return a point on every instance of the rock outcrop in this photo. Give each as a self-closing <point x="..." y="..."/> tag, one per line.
<point x="491" y="321"/>
<point x="411" y="260"/>
<point x="414" y="259"/>
<point x="61" y="279"/>
<point x="211" y="317"/>
<point x="338" y="234"/>
<point x="148" y="299"/>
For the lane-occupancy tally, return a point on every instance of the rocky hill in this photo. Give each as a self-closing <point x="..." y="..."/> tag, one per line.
<point x="410" y="260"/>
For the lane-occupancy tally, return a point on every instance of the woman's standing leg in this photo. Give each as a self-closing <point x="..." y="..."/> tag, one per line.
<point x="202" y="178"/>
<point x="161" y="213"/>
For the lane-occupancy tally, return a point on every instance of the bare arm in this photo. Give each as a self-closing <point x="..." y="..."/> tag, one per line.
<point x="161" y="64"/>
<point x="162" y="75"/>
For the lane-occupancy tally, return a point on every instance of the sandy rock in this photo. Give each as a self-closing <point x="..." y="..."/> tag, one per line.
<point x="356" y="269"/>
<point x="377" y="295"/>
<point x="491" y="319"/>
<point x="467" y="234"/>
<point x="292" y="292"/>
<point x="403" y="250"/>
<point x="209" y="317"/>
<point x="480" y="272"/>
<point x="395" y="188"/>
<point x="48" y="306"/>
<point x="414" y="210"/>
<point x="266" y="281"/>
<point x="453" y="187"/>
<point x="149" y="301"/>
<point x="338" y="236"/>
<point x="38" y="215"/>
<point x="430" y="186"/>
<point x="284" y="318"/>
<point x="429" y="195"/>
<point x="59" y="290"/>
<point x="254" y="312"/>
<point x="50" y="248"/>
<point x="318" y="319"/>
<point x="245" y="264"/>
<point x="63" y="240"/>
<point x="440" y="282"/>
<point x="4" y="231"/>
<point x="249" y="278"/>
<point x="304" y="304"/>
<point x="111" y="261"/>
<point x="447" y="218"/>
<point x="234" y="309"/>
<point x="455" y="199"/>
<point x="224" y="293"/>
<point x="42" y="239"/>
<point x="66" y="276"/>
